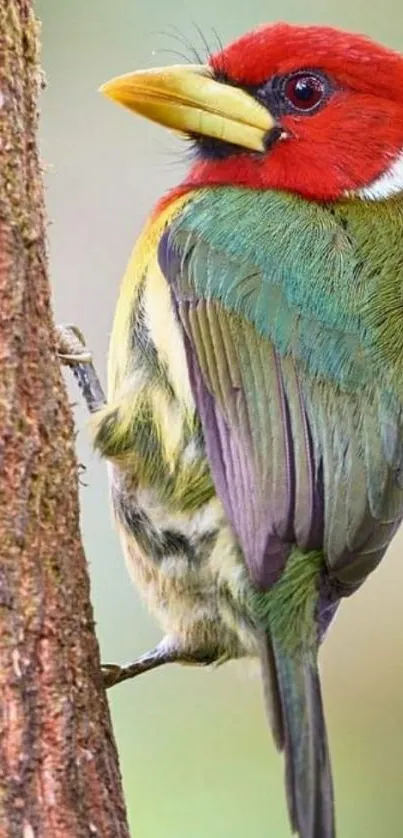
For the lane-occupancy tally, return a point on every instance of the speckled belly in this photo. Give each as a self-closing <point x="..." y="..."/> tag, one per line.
<point x="189" y="569"/>
<point x="178" y="544"/>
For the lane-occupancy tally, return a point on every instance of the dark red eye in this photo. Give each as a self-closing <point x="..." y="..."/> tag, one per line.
<point x="304" y="91"/>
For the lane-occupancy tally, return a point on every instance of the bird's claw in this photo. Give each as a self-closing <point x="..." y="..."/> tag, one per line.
<point x="111" y="674"/>
<point x="70" y="347"/>
<point x="72" y="351"/>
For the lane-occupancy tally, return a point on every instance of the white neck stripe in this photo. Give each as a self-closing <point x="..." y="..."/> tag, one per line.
<point x="388" y="184"/>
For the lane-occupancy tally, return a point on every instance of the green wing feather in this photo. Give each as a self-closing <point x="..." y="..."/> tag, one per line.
<point x="291" y="315"/>
<point x="287" y="307"/>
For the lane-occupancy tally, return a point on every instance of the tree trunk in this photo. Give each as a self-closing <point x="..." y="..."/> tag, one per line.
<point x="59" y="773"/>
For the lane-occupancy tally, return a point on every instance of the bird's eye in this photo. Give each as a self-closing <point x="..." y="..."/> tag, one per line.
<point x="304" y="91"/>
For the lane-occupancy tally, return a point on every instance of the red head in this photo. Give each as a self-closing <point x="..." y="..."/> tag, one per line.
<point x="350" y="136"/>
<point x="333" y="100"/>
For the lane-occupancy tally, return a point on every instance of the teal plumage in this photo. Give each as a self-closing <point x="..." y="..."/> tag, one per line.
<point x="274" y="332"/>
<point x="326" y="308"/>
<point x="255" y="415"/>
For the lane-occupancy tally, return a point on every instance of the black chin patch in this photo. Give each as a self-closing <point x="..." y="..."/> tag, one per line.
<point x="208" y="148"/>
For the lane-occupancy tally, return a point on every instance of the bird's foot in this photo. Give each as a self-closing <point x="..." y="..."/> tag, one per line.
<point x="168" y="651"/>
<point x="70" y="345"/>
<point x="72" y="351"/>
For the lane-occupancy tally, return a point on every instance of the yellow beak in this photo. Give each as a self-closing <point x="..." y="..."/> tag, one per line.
<point x="189" y="100"/>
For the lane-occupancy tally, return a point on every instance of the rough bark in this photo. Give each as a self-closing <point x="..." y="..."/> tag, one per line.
<point x="59" y="774"/>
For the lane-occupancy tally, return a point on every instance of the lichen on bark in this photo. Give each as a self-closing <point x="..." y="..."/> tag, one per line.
<point x="59" y="773"/>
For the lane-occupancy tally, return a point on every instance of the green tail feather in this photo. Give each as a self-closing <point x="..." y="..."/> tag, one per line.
<point x="288" y="646"/>
<point x="308" y="770"/>
<point x="294" y="705"/>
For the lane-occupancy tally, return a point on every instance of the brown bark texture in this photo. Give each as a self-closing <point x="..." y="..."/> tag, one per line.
<point x="59" y="773"/>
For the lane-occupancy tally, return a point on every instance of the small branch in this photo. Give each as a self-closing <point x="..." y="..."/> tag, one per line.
<point x="59" y="774"/>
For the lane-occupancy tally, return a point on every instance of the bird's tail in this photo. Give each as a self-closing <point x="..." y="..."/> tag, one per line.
<point x="294" y="704"/>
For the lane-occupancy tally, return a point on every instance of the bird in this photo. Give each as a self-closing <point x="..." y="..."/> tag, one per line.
<point x="253" y="425"/>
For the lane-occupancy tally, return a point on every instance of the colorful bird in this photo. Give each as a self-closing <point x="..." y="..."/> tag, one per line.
<point x="254" y="421"/>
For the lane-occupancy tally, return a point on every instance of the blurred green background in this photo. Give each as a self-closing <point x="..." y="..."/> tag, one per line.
<point x="195" y="754"/>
